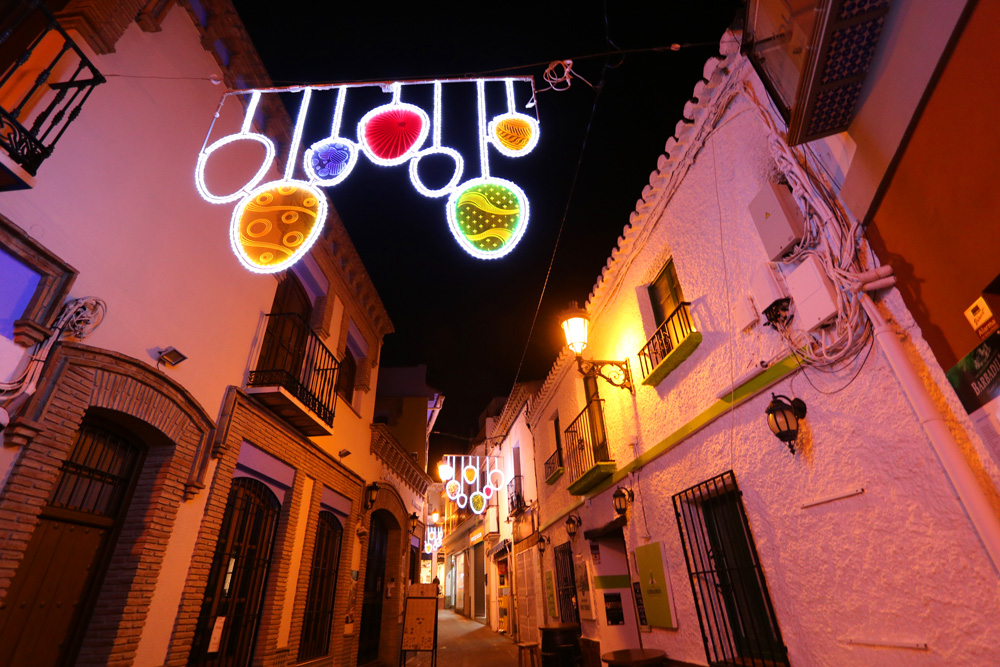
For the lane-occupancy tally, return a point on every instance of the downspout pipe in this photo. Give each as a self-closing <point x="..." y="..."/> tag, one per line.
<point x="961" y="475"/>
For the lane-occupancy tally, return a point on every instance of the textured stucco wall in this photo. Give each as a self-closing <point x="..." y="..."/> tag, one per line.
<point x="898" y="564"/>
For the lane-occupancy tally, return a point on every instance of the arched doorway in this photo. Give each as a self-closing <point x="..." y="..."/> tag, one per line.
<point x="374" y="592"/>
<point x="227" y="626"/>
<point x="49" y="604"/>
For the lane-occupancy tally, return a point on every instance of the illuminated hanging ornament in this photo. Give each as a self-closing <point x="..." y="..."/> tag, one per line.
<point x="461" y="501"/>
<point x="497" y="479"/>
<point x="488" y="491"/>
<point x="427" y="548"/>
<point x="477" y="502"/>
<point x="391" y="134"/>
<point x="446" y="470"/>
<point x="278" y="222"/>
<point x="244" y="133"/>
<point x="486" y="215"/>
<point x="329" y="161"/>
<point x="436" y="149"/>
<point x="513" y="134"/>
<point x="452" y="489"/>
<point x="470" y="473"/>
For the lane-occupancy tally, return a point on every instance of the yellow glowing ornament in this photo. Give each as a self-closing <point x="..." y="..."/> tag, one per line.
<point x="452" y="489"/>
<point x="477" y="502"/>
<point x="276" y="224"/>
<point x="471" y="474"/>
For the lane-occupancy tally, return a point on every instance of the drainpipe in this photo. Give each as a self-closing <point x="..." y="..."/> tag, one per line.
<point x="956" y="466"/>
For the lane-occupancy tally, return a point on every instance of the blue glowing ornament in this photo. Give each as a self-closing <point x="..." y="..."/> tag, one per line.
<point x="329" y="161"/>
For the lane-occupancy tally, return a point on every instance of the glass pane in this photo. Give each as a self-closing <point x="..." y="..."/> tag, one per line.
<point x="781" y="31"/>
<point x="19" y="284"/>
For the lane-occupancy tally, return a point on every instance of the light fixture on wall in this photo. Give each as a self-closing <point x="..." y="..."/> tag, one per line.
<point x="170" y="356"/>
<point x="621" y="499"/>
<point x="783" y="415"/>
<point x="573" y="523"/>
<point x="435" y="517"/>
<point x="576" y="328"/>
<point x="371" y="495"/>
<point x="414" y="522"/>
<point x="543" y="542"/>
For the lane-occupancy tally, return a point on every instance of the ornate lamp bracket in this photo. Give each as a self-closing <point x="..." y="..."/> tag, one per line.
<point x="617" y="373"/>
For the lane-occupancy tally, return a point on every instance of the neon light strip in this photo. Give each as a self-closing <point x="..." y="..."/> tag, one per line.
<point x="509" y="84"/>
<point x="484" y="161"/>
<point x="338" y="112"/>
<point x="251" y="110"/>
<point x="297" y="138"/>
<point x="269" y="155"/>
<point x="437" y="114"/>
<point x="436" y="149"/>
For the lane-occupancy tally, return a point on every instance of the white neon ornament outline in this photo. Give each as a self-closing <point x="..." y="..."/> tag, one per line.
<point x="425" y="125"/>
<point x="334" y="138"/>
<point x="503" y="477"/>
<point x="206" y="152"/>
<point x="436" y="149"/>
<point x="478" y="491"/>
<point x="514" y="115"/>
<point x="457" y="487"/>
<point x="475" y="474"/>
<point x="287" y="180"/>
<point x="486" y="179"/>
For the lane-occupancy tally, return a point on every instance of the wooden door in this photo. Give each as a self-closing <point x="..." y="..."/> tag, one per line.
<point x="48" y="605"/>
<point x="287" y="329"/>
<point x="566" y="584"/>
<point x="371" y="607"/>
<point x="230" y="613"/>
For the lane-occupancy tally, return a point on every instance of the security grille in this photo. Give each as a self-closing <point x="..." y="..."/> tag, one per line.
<point x="738" y="625"/>
<point x="318" y="615"/>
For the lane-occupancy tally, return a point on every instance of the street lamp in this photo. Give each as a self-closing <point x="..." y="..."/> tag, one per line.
<point x="414" y="521"/>
<point x="573" y="523"/>
<point x="576" y="328"/>
<point x="543" y="542"/>
<point x="621" y="499"/>
<point x="783" y="415"/>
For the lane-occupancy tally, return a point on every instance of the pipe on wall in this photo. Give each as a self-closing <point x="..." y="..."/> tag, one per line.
<point x="961" y="475"/>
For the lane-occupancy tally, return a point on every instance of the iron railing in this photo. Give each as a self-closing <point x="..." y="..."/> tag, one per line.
<point x="44" y="88"/>
<point x="669" y="335"/>
<point x="515" y="495"/>
<point x="738" y="624"/>
<point x="553" y="463"/>
<point x="586" y="442"/>
<point x="293" y="357"/>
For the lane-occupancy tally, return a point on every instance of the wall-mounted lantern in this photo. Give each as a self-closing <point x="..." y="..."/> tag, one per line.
<point x="576" y="328"/>
<point x="414" y="522"/>
<point x="783" y="415"/>
<point x="621" y="499"/>
<point x="371" y="495"/>
<point x="543" y="542"/>
<point x="573" y="523"/>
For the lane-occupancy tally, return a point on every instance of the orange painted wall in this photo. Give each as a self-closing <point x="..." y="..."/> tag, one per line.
<point x="939" y="223"/>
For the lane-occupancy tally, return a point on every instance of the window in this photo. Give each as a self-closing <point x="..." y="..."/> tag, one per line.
<point x="318" y="616"/>
<point x="346" y="375"/>
<point x="665" y="293"/>
<point x="738" y="624"/>
<point x="675" y="337"/>
<point x="554" y="464"/>
<point x="36" y="283"/>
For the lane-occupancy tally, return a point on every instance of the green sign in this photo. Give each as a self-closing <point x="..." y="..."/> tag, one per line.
<point x="550" y="593"/>
<point x="652" y="573"/>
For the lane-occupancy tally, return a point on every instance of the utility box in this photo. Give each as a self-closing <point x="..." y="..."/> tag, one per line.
<point x="813" y="293"/>
<point x="779" y="220"/>
<point x="766" y="288"/>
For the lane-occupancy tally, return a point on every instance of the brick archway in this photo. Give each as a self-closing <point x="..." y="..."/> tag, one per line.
<point x="78" y="381"/>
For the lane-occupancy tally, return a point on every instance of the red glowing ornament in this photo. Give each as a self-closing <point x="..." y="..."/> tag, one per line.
<point x="488" y="491"/>
<point x="392" y="133"/>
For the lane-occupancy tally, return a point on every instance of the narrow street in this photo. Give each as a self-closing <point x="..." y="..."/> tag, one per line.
<point x="466" y="643"/>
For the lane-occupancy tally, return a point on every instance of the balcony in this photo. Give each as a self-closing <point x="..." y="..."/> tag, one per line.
<point x="296" y="375"/>
<point x="554" y="467"/>
<point x="586" y="449"/>
<point x="515" y="496"/>
<point x="44" y="81"/>
<point x="672" y="343"/>
<point x="813" y="57"/>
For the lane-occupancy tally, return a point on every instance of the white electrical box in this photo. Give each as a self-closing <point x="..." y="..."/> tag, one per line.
<point x="766" y="287"/>
<point x="813" y="294"/>
<point x="744" y="315"/>
<point x="779" y="220"/>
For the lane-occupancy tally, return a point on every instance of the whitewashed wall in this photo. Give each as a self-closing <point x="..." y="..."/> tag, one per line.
<point x="898" y="564"/>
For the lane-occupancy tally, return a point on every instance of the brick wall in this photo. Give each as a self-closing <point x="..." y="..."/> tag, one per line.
<point x="79" y="379"/>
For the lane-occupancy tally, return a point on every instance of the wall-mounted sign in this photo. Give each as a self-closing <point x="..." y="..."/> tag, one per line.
<point x="613" y="610"/>
<point x="275" y="223"/>
<point x="476" y="536"/>
<point x="657" y="601"/>
<point x="550" y="594"/>
<point x="976" y="377"/>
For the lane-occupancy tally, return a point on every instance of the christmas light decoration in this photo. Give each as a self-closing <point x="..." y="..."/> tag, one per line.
<point x="513" y="134"/>
<point x="487" y="216"/>
<point x="452" y="489"/>
<point x="471" y="473"/>
<point x="482" y="485"/>
<point x="275" y="223"/>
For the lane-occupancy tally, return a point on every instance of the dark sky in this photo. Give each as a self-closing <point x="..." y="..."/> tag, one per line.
<point x="466" y="318"/>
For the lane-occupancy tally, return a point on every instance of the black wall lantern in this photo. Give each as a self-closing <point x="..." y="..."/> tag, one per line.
<point x="573" y="523"/>
<point x="621" y="499"/>
<point x="543" y="542"/>
<point x="414" y="521"/>
<point x="371" y="495"/>
<point x="783" y="415"/>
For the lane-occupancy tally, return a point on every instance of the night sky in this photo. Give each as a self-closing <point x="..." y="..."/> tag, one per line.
<point x="469" y="319"/>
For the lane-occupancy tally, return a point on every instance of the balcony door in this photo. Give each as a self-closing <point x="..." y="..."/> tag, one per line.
<point x="285" y="337"/>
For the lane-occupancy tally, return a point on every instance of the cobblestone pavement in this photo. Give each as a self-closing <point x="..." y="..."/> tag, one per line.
<point x="466" y="643"/>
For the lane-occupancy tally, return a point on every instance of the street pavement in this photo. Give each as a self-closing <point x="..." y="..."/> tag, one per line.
<point x="466" y="643"/>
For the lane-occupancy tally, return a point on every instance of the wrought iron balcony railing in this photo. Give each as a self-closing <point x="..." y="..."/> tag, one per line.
<point x="515" y="495"/>
<point x="554" y="467"/>
<point x="586" y="448"/>
<point x="43" y="88"/>
<point x="294" y="358"/>
<point x="675" y="338"/>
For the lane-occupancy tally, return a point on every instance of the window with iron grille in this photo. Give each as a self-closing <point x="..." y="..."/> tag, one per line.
<point x="318" y="615"/>
<point x="738" y="624"/>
